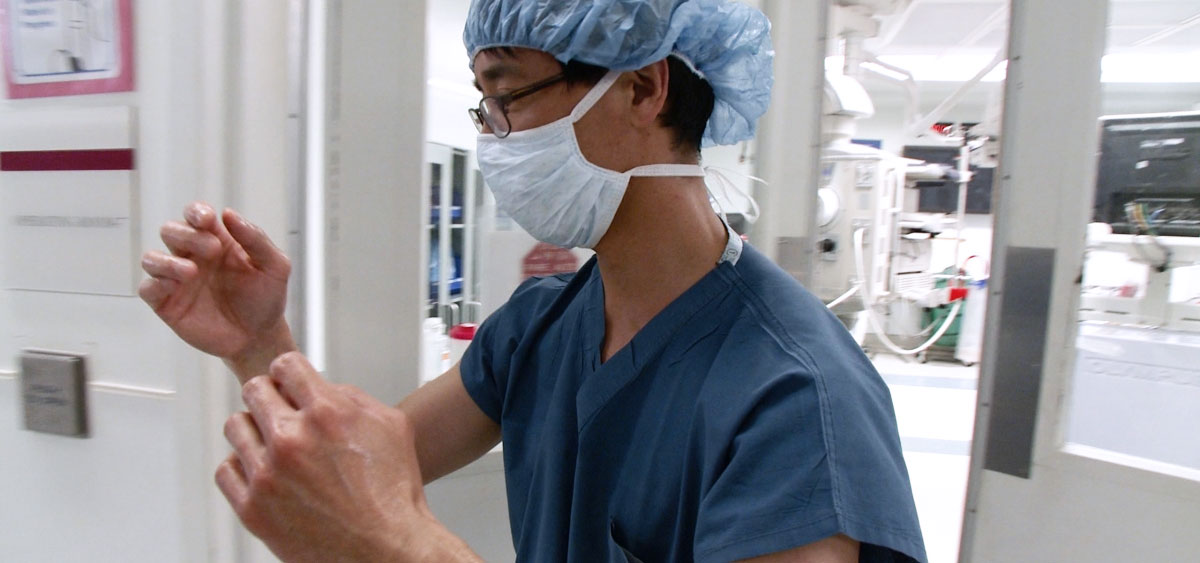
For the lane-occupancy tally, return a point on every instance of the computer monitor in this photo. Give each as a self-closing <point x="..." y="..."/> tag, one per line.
<point x="1148" y="179"/>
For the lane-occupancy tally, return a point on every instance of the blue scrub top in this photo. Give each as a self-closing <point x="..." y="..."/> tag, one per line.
<point x="743" y="420"/>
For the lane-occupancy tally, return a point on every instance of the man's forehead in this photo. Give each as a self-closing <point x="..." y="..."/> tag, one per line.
<point x="496" y="63"/>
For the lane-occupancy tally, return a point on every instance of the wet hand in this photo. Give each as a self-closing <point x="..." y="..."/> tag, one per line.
<point x="322" y="472"/>
<point x="223" y="286"/>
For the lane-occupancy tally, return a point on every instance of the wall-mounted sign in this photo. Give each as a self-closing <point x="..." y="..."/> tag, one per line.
<point x="68" y="195"/>
<point x="66" y="47"/>
<point x="547" y="260"/>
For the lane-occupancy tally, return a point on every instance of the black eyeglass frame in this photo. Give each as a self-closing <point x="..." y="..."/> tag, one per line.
<point x="480" y="114"/>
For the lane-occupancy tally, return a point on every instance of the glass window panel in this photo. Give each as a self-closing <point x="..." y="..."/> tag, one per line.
<point x="1136" y="387"/>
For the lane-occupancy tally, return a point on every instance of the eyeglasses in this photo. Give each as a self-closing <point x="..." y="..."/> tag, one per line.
<point x="493" y="110"/>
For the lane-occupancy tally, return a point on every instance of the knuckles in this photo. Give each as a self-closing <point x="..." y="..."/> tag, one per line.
<point x="285" y="264"/>
<point x="289" y="447"/>
<point x="262" y="482"/>
<point x="252" y="515"/>
<point x="328" y="416"/>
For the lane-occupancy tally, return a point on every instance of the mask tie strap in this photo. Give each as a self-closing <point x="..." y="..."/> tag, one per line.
<point x="664" y="170"/>
<point x="733" y="247"/>
<point x="725" y="185"/>
<point x="594" y="95"/>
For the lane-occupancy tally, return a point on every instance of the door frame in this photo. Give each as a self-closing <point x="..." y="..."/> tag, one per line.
<point x="1031" y="495"/>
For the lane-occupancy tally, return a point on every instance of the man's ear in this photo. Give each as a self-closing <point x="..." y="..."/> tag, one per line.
<point x="650" y="87"/>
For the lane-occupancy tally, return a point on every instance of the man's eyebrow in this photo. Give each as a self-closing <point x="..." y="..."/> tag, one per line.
<point x="496" y="72"/>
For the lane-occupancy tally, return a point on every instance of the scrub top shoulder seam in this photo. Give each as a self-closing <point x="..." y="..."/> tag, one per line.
<point x="800" y="352"/>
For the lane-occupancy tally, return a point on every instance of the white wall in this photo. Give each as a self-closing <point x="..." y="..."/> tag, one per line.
<point x="139" y="489"/>
<point x="210" y="107"/>
<point x="449" y="77"/>
<point x="374" y="201"/>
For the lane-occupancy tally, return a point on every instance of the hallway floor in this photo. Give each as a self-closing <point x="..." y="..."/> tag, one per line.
<point x="935" y="409"/>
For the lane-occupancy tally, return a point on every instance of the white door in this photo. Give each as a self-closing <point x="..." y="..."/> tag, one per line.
<point x="139" y="486"/>
<point x="1036" y="493"/>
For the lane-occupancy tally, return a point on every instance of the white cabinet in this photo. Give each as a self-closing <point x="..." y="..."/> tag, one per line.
<point x="455" y="201"/>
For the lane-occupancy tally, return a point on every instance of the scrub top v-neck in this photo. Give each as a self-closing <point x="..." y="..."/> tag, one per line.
<point x="741" y="420"/>
<point x="602" y="380"/>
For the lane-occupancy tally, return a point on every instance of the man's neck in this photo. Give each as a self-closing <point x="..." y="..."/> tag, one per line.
<point x="664" y="238"/>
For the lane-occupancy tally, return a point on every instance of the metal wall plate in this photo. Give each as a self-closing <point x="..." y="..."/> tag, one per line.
<point x="1020" y="349"/>
<point x="54" y="393"/>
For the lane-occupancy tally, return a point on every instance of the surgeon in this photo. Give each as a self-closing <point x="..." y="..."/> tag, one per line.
<point x="679" y="398"/>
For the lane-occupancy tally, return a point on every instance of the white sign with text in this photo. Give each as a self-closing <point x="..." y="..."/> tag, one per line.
<point x="67" y="205"/>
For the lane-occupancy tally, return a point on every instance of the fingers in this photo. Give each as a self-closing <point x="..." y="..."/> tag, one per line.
<point x="267" y="407"/>
<point x="231" y="479"/>
<point x="160" y="265"/>
<point x="298" y="382"/>
<point x="202" y="217"/>
<point x="205" y="236"/>
<point x="166" y="275"/>
<point x="248" y="445"/>
<point x="156" y="291"/>
<point x="187" y="241"/>
<point x="258" y="246"/>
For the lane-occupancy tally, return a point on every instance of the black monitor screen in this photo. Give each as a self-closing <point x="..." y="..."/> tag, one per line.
<point x="1148" y="178"/>
<point x="942" y="197"/>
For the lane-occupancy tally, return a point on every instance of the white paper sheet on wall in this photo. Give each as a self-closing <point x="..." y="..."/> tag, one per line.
<point x="67" y="201"/>
<point x="55" y="40"/>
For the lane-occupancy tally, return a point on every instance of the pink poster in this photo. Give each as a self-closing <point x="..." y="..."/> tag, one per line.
<point x="66" y="47"/>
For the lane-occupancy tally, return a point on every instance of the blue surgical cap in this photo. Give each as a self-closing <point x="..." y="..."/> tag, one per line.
<point x="727" y="43"/>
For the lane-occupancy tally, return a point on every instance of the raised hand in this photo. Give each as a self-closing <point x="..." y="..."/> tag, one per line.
<point x="323" y="472"/>
<point x="222" y="288"/>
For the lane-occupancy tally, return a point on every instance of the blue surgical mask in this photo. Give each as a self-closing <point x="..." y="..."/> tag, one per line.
<point x="541" y="179"/>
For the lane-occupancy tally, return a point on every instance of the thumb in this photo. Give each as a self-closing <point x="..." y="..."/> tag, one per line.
<point x="258" y="246"/>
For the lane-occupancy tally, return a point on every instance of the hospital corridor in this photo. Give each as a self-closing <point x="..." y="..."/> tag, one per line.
<point x="600" y="280"/>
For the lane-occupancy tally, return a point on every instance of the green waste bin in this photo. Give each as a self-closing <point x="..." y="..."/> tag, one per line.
<point x="934" y="317"/>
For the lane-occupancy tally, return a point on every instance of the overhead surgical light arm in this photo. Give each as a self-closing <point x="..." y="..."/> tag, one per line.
<point x="845" y="102"/>
<point x="923" y="124"/>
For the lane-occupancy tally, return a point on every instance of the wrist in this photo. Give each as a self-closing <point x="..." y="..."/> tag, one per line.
<point x="427" y="540"/>
<point x="256" y="358"/>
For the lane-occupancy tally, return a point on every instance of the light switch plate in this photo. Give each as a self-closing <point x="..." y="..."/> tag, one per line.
<point x="54" y="393"/>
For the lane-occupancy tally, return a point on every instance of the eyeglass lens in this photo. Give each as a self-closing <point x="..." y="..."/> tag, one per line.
<point x="492" y="113"/>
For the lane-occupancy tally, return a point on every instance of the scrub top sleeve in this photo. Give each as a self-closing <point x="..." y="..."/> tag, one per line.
<point x="478" y="372"/>
<point x="485" y="365"/>
<point x="773" y="492"/>
<point x="776" y="487"/>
